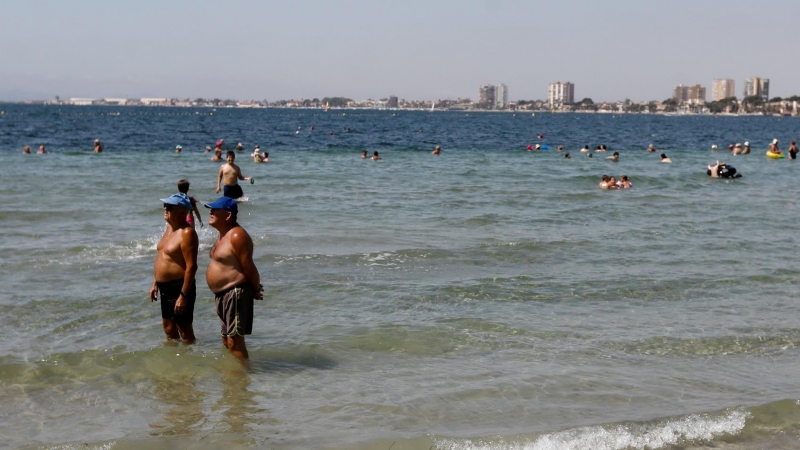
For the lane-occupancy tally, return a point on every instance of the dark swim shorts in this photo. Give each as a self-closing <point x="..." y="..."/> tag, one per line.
<point x="235" y="310"/>
<point x="233" y="192"/>
<point x="170" y="291"/>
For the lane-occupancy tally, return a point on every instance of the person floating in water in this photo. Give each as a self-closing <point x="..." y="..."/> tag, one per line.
<point x="42" y="150"/>
<point x="217" y="154"/>
<point x="437" y="150"/>
<point x="614" y="157"/>
<point x="26" y="150"/>
<point x="665" y="158"/>
<point x="364" y="154"/>
<point x="375" y="156"/>
<point x="722" y="170"/>
<point x="229" y="176"/>
<point x="773" y="148"/>
<point x="178" y="149"/>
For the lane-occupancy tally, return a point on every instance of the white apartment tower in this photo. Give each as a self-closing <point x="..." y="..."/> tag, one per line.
<point x="722" y="88"/>
<point x="560" y="93"/>
<point x="500" y="96"/>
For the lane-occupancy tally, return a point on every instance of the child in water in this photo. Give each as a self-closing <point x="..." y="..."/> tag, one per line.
<point x="183" y="188"/>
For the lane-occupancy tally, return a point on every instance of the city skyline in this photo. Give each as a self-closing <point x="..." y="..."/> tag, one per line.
<point x="359" y="49"/>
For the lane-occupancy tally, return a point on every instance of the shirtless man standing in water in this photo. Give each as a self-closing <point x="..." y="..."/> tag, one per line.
<point x="229" y="175"/>
<point x="175" y="269"/>
<point x="232" y="276"/>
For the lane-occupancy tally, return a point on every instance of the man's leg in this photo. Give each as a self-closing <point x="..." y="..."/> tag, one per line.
<point x="236" y="345"/>
<point x="170" y="329"/>
<point x="187" y="333"/>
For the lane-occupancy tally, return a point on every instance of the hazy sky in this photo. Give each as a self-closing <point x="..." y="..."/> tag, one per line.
<point x="415" y="49"/>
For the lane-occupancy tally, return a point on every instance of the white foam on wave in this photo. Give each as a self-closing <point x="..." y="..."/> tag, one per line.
<point x="619" y="437"/>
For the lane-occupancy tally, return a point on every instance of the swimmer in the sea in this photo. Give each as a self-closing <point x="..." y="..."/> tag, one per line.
<point x="364" y="154"/>
<point x="614" y="157"/>
<point x="746" y="149"/>
<point x="560" y="148"/>
<point x="567" y="156"/>
<point x="26" y="150"/>
<point x="376" y="156"/>
<point x="585" y="149"/>
<point x="722" y="170"/>
<point x="42" y="150"/>
<point x="665" y="158"/>
<point x="624" y="183"/>
<point x="793" y="150"/>
<point x="437" y="150"/>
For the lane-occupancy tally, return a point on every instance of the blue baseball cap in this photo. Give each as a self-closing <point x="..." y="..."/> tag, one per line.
<point x="178" y="200"/>
<point x="226" y="203"/>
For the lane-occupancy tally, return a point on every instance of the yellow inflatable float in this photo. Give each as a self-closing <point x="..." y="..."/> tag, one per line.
<point x="774" y="155"/>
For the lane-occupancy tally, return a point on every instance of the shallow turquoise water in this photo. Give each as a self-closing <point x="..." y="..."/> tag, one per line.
<point x="486" y="298"/>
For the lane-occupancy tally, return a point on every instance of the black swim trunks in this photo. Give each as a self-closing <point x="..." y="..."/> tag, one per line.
<point x="233" y="192"/>
<point x="235" y="310"/>
<point x="170" y="291"/>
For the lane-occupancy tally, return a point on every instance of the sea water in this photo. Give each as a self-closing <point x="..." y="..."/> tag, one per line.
<point x="486" y="298"/>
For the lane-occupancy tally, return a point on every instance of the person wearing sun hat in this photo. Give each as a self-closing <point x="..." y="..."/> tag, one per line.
<point x="746" y="149"/>
<point x="175" y="269"/>
<point x="232" y="275"/>
<point x="178" y="149"/>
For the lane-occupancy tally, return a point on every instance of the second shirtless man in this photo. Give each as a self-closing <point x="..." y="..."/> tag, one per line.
<point x="175" y="268"/>
<point x="232" y="276"/>
<point x="229" y="175"/>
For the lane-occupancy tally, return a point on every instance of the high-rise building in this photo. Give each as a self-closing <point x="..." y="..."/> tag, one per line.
<point x="690" y="94"/>
<point x="500" y="96"/>
<point x="392" y="103"/>
<point x="559" y="93"/>
<point x="757" y="87"/>
<point x="486" y="95"/>
<point x="722" y="88"/>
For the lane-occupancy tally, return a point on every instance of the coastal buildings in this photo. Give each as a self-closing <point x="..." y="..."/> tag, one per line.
<point x="757" y="87"/>
<point x="493" y="97"/>
<point x="722" y="88"/>
<point x="559" y="93"/>
<point x="392" y="103"/>
<point x="500" y="96"/>
<point x="692" y="95"/>
<point x="486" y="95"/>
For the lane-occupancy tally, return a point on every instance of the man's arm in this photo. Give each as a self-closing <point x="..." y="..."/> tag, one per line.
<point x="240" y="176"/>
<point x="197" y="213"/>
<point x="242" y="247"/>
<point x="219" y="178"/>
<point x="189" y="246"/>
